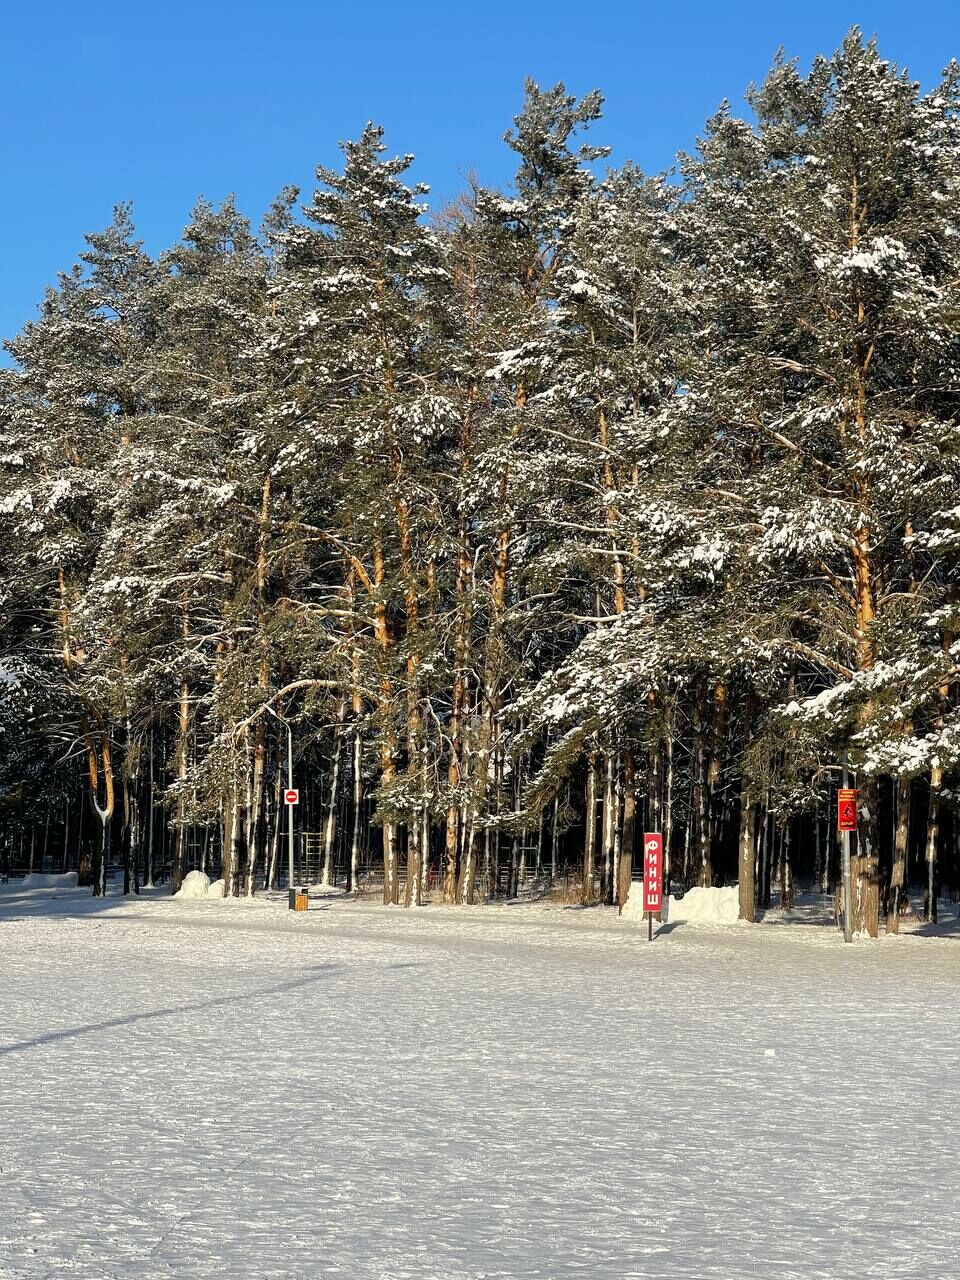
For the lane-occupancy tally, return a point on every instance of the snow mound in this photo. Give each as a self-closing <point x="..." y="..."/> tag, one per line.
<point x="633" y="907"/>
<point x="35" y="880"/>
<point x="216" y="889"/>
<point x="196" y="884"/>
<point x="705" y="906"/>
<point x="697" y="906"/>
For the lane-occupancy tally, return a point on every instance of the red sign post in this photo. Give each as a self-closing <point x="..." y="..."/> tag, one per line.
<point x="291" y="796"/>
<point x="846" y="809"/>
<point x="652" y="877"/>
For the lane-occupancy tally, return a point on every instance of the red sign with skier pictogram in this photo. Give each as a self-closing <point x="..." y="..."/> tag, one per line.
<point x="652" y="872"/>
<point x="846" y="809"/>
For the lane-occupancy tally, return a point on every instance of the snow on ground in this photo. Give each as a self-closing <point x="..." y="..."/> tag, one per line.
<point x="217" y="1089"/>
<point x="36" y="880"/>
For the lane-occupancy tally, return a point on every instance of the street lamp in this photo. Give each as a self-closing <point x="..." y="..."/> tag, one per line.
<point x="291" y="890"/>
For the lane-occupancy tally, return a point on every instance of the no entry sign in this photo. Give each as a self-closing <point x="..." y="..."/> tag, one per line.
<point x="291" y="797"/>
<point x="846" y="809"/>
<point x="652" y="872"/>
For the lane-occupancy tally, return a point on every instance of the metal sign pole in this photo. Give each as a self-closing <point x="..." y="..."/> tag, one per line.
<point x="292" y="894"/>
<point x="845" y="867"/>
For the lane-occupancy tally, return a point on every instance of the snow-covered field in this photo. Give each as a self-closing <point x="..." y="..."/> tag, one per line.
<point x="215" y="1089"/>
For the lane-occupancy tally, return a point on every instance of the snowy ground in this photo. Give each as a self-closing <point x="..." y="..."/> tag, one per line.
<point x="231" y="1090"/>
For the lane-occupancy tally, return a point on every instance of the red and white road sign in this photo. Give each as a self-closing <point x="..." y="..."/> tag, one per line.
<point x="291" y="797"/>
<point x="652" y="872"/>
<point x="846" y="809"/>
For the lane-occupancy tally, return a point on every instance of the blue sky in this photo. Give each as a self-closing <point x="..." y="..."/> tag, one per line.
<point x="161" y="100"/>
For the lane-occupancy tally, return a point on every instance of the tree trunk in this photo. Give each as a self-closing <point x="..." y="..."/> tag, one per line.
<point x="330" y="826"/>
<point x="747" y="840"/>
<point x="701" y="819"/>
<point x="457" y="698"/>
<point x="668" y="808"/>
<point x="388" y="766"/>
<point x="715" y="805"/>
<point x="766" y="836"/>
<point x="625" y="860"/>
<point x="183" y="733"/>
<point x="746" y="879"/>
<point x="866" y="880"/>
<point x="609" y="831"/>
<point x="901" y="836"/>
<point x="95" y="766"/>
<point x="933" y="834"/>
<point x="276" y="831"/>
<point x="590" y="830"/>
<point x="786" y="869"/>
<point x="357" y="806"/>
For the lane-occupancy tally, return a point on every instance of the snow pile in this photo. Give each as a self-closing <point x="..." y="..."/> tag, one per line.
<point x="216" y="889"/>
<point x="633" y="907"/>
<point x="196" y="885"/>
<point x="697" y="906"/>
<point x="37" y="881"/>
<point x="705" y="906"/>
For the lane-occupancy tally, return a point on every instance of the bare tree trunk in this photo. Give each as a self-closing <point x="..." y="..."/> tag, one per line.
<point x="653" y="788"/>
<point x="97" y="764"/>
<point x="747" y="855"/>
<point x="901" y="837"/>
<point x="330" y="826"/>
<point x="357" y="806"/>
<point x="609" y="829"/>
<point x="668" y="808"/>
<point x="819" y="870"/>
<point x="468" y="865"/>
<point x="148" y="851"/>
<point x="275" y="832"/>
<point x="388" y="765"/>
<point x="455" y="769"/>
<point x="590" y="830"/>
<point x="625" y="860"/>
<point x="412" y="895"/>
<point x="183" y="732"/>
<point x="933" y="834"/>
<point x="763" y="888"/>
<point x="866" y="886"/>
<point x="701" y="819"/>
<point x="715" y="806"/>
<point x="786" y="870"/>
<point x="231" y="835"/>
<point x="554" y="821"/>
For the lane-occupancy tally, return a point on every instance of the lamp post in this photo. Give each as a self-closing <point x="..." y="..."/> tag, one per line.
<point x="291" y="890"/>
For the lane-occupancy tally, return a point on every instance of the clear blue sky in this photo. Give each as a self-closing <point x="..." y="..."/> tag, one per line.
<point x="158" y="101"/>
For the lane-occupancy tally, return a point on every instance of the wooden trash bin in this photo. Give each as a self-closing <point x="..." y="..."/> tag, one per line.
<point x="300" y="902"/>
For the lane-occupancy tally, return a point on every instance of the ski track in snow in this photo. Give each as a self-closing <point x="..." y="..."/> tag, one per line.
<point x="226" y="1090"/>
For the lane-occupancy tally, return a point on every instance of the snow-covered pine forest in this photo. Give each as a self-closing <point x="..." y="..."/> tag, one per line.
<point x="611" y="503"/>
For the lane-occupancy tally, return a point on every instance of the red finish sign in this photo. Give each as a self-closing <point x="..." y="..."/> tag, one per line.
<point x="846" y="809"/>
<point x="652" y="872"/>
<point x="291" y="797"/>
